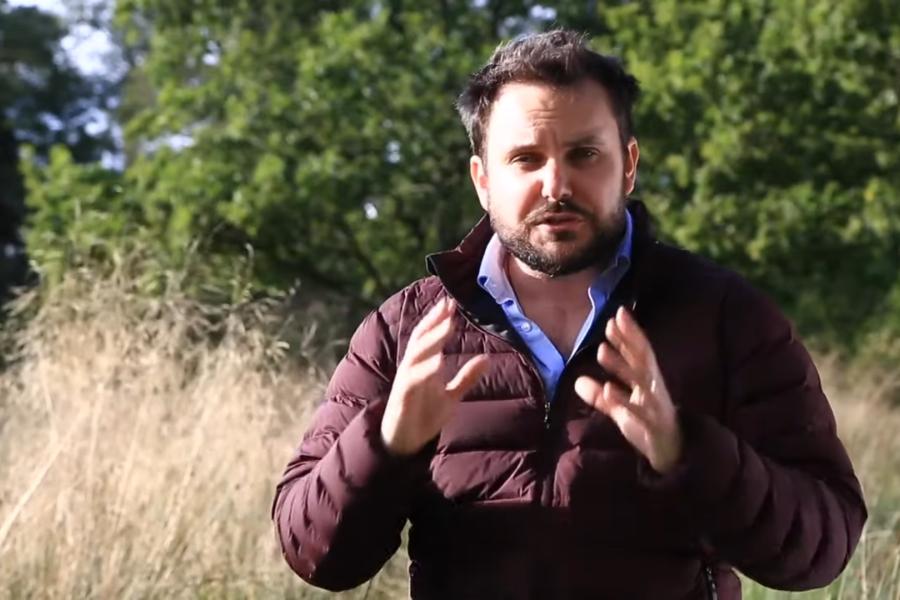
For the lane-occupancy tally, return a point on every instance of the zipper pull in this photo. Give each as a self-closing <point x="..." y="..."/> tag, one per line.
<point x="546" y="415"/>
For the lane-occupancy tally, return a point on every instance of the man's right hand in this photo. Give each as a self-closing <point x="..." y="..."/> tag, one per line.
<point x="421" y="399"/>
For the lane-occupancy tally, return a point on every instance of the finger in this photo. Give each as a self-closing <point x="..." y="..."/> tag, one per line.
<point x="633" y="428"/>
<point x="638" y="396"/>
<point x="634" y="337"/>
<point x="431" y="318"/>
<point x="430" y="333"/>
<point x="633" y="419"/>
<point x="658" y="401"/>
<point x="431" y="342"/>
<point x="605" y="397"/>
<point x="467" y="376"/>
<point x="425" y="367"/>
<point x="647" y="401"/>
<point x="616" y="339"/>
<point x="620" y="342"/>
<point x="614" y="395"/>
<point x="612" y="401"/>
<point x="611" y="360"/>
<point x="653" y="382"/>
<point x="591" y="391"/>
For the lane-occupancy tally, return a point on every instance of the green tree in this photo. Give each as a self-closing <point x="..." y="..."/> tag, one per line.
<point x="44" y="101"/>
<point x="321" y="135"/>
<point x="318" y="139"/>
<point x="770" y="143"/>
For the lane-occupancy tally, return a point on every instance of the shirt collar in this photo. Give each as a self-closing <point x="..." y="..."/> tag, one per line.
<point x="492" y="275"/>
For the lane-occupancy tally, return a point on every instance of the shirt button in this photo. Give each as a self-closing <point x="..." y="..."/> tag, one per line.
<point x="526" y="327"/>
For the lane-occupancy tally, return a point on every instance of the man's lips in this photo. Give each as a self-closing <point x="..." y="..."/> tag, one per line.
<point x="559" y="219"/>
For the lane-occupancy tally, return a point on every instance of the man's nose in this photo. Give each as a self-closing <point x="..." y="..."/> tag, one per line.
<point x="555" y="181"/>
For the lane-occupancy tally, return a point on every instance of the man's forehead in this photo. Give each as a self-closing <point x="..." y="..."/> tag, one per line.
<point x="525" y="112"/>
<point x="527" y="96"/>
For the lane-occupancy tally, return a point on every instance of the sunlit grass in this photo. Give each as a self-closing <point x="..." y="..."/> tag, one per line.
<point x="138" y="458"/>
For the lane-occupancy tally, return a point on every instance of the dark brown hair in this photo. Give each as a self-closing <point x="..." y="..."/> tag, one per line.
<point x="557" y="57"/>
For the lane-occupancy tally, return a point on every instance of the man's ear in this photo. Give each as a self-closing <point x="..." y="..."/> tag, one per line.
<point x="632" y="156"/>
<point x="478" y="172"/>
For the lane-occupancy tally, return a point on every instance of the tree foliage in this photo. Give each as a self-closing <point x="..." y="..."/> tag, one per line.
<point x="44" y="101"/>
<point x="320" y="140"/>
<point x="320" y="135"/>
<point x="770" y="133"/>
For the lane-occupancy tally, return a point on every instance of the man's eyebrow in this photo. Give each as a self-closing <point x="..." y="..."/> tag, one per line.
<point x="593" y="138"/>
<point x="521" y="148"/>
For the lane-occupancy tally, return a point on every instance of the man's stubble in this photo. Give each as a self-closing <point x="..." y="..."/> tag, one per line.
<point x="597" y="250"/>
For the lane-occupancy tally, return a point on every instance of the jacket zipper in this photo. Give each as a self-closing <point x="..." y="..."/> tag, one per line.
<point x="577" y="354"/>
<point x="547" y="401"/>
<point x="710" y="583"/>
<point x="528" y="362"/>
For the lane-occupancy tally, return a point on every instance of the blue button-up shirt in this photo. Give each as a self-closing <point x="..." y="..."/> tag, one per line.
<point x="550" y="363"/>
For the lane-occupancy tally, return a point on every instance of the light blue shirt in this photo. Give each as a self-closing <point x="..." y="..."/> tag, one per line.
<point x="550" y="363"/>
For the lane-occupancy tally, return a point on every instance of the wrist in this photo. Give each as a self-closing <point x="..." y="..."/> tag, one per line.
<point x="673" y="456"/>
<point x="391" y="442"/>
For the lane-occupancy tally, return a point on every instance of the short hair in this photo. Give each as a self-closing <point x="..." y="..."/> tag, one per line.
<point x="560" y="57"/>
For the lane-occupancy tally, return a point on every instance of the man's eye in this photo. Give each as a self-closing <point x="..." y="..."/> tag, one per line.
<point x="525" y="159"/>
<point x="584" y="153"/>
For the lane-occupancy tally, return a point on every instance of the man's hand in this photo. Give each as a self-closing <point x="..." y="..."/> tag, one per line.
<point x="421" y="400"/>
<point x="644" y="411"/>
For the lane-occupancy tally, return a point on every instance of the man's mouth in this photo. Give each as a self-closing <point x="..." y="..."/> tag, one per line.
<point x="559" y="219"/>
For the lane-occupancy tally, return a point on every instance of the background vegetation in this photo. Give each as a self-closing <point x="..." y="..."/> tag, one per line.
<point x="317" y="141"/>
<point x="141" y="439"/>
<point x="210" y="215"/>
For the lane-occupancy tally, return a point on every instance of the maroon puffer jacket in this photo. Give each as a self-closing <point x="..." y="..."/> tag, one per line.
<point x="523" y="499"/>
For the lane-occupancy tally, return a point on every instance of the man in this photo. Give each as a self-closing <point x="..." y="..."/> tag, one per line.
<point x="566" y="407"/>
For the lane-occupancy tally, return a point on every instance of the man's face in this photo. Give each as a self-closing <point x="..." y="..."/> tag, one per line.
<point x="554" y="176"/>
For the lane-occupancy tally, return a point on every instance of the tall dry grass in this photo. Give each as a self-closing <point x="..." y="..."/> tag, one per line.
<point x="140" y="443"/>
<point x="141" y="439"/>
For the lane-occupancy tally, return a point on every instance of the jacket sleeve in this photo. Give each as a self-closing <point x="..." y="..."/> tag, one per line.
<point x="771" y="489"/>
<point x="342" y="503"/>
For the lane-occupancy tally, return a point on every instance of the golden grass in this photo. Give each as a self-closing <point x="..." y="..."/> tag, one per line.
<point x="138" y="458"/>
<point x="139" y="461"/>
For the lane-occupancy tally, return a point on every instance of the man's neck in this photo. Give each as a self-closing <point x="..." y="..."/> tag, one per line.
<point x="534" y="288"/>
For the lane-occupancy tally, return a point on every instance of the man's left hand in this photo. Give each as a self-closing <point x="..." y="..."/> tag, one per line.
<point x="643" y="411"/>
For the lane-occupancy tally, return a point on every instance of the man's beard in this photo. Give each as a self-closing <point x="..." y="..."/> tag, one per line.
<point x="597" y="251"/>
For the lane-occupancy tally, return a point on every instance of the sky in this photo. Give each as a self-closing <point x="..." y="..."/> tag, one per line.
<point x="85" y="45"/>
<point x="88" y="49"/>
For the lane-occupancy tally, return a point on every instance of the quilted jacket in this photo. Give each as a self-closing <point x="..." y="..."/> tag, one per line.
<point x="525" y="497"/>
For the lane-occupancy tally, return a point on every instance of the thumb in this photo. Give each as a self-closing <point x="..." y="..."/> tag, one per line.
<point x="467" y="376"/>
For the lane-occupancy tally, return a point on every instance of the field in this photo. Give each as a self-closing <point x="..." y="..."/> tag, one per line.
<point x="138" y="458"/>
